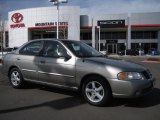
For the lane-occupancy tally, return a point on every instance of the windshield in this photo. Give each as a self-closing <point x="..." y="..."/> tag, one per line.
<point x="81" y="49"/>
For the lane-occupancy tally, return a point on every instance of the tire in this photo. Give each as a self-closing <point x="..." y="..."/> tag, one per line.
<point x="16" y="78"/>
<point x="96" y="91"/>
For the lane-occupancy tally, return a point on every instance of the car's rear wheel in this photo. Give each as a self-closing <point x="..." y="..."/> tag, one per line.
<point x="96" y="91"/>
<point x="16" y="78"/>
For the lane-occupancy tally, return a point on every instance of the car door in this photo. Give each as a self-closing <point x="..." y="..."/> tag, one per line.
<point x="54" y="67"/>
<point x="27" y="59"/>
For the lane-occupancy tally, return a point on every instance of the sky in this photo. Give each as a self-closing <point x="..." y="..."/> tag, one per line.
<point x="90" y="7"/>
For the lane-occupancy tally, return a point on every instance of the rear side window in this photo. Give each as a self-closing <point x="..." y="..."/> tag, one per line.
<point x="32" y="48"/>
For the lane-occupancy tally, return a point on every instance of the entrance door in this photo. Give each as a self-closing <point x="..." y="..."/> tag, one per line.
<point x="112" y="48"/>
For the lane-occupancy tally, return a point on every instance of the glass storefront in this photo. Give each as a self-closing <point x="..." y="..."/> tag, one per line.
<point x="86" y="36"/>
<point x="48" y="33"/>
<point x="113" y="48"/>
<point x="144" y="46"/>
<point x="113" y="35"/>
<point x="144" y="34"/>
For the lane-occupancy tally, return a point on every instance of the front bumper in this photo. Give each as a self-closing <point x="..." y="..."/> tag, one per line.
<point x="131" y="89"/>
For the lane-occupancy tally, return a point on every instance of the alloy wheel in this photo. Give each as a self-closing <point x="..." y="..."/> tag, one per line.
<point x="94" y="91"/>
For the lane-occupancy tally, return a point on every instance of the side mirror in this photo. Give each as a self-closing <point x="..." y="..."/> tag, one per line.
<point x="64" y="55"/>
<point x="67" y="57"/>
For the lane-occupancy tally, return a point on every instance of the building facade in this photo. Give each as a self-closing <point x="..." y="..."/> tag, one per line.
<point x="122" y="31"/>
<point x="114" y="32"/>
<point x="35" y="23"/>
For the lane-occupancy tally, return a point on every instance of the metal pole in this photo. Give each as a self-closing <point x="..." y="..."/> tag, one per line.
<point x="57" y="2"/>
<point x="93" y="35"/>
<point x="99" y="37"/>
<point x="129" y="31"/>
<point x="57" y="19"/>
<point x="2" y="43"/>
<point x="139" y="51"/>
<point x="125" y="49"/>
<point x="1" y="31"/>
<point x="2" y="36"/>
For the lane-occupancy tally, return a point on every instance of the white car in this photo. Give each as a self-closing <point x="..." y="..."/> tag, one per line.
<point x="2" y="55"/>
<point x="7" y="50"/>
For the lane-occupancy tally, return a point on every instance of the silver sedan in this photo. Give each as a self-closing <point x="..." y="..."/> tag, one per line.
<point x="74" y="65"/>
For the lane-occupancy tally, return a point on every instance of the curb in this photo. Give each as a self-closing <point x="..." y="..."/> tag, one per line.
<point x="150" y="61"/>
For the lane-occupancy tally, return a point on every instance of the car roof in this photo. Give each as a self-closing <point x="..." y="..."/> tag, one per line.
<point x="51" y="39"/>
<point x="45" y="39"/>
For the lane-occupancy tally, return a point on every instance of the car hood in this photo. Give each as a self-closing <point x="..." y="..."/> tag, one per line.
<point x="117" y="63"/>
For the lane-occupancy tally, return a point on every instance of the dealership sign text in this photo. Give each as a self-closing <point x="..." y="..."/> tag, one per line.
<point x="111" y="23"/>
<point x="52" y="24"/>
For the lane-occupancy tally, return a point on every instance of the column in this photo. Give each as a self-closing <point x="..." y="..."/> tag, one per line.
<point x="129" y="32"/>
<point x="93" y="34"/>
<point x="96" y="39"/>
<point x="159" y="40"/>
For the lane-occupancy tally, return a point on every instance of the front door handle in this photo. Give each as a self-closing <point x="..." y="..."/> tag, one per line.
<point x="42" y="62"/>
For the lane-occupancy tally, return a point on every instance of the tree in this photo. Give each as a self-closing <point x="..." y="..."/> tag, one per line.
<point x="63" y="31"/>
<point x="2" y="28"/>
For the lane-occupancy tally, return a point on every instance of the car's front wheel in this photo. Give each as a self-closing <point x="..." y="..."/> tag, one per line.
<point x="16" y="78"/>
<point x="96" y="91"/>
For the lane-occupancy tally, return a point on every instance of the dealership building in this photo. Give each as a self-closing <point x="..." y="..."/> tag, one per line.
<point x="114" y="32"/>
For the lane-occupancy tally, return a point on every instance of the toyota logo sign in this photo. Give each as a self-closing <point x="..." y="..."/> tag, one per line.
<point x="17" y="17"/>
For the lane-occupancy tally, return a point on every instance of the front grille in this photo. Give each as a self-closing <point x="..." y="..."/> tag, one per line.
<point x="147" y="74"/>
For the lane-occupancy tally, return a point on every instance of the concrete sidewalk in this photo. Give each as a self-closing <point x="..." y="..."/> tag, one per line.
<point x="129" y="56"/>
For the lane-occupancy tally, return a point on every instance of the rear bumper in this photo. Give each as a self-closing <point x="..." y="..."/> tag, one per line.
<point x="131" y="89"/>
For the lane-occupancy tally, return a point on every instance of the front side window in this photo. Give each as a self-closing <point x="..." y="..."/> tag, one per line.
<point x="80" y="49"/>
<point x="32" y="48"/>
<point x="53" y="49"/>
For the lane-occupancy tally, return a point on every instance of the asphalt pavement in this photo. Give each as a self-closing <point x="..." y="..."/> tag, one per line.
<point x="36" y="102"/>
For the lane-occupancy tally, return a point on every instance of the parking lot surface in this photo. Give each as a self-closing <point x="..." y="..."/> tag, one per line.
<point x="37" y="102"/>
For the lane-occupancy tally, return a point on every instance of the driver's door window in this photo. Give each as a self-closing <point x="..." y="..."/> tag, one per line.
<point x="53" y="49"/>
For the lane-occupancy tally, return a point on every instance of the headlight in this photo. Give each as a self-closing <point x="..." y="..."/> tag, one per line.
<point x="130" y="76"/>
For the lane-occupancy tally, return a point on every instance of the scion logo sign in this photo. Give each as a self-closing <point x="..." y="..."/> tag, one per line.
<point x="17" y="18"/>
<point x="111" y="23"/>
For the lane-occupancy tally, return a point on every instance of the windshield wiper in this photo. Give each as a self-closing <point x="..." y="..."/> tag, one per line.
<point x="85" y="56"/>
<point x="100" y="56"/>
